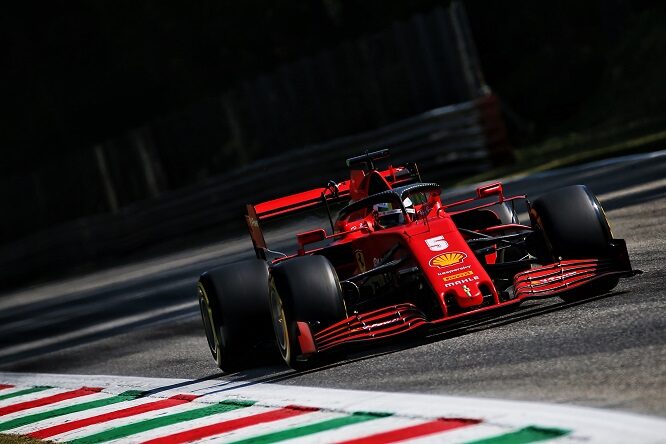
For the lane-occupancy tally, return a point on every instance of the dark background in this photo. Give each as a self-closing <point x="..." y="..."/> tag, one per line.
<point x="80" y="72"/>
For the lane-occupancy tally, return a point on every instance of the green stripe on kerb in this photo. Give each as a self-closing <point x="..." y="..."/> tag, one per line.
<point x="310" y="429"/>
<point x="25" y="420"/>
<point x="150" y="424"/>
<point x="524" y="436"/>
<point x="27" y="391"/>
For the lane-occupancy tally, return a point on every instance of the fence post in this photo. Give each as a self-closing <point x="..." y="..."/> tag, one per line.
<point x="494" y="129"/>
<point x="148" y="162"/>
<point x="110" y="192"/>
<point x="470" y="67"/>
<point x="235" y="144"/>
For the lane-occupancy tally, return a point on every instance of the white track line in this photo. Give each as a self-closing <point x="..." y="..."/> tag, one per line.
<point x="95" y="329"/>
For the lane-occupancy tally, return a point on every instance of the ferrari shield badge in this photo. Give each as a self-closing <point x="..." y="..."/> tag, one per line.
<point x="360" y="261"/>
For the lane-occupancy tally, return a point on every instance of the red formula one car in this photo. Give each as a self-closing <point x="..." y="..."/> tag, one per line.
<point x="397" y="259"/>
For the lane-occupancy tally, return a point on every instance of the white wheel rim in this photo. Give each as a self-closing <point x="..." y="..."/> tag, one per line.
<point x="209" y="325"/>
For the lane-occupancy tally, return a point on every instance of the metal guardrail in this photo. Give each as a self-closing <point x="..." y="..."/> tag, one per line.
<point x="453" y="140"/>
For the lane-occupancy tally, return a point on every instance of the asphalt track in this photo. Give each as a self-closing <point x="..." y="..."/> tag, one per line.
<point x="141" y="319"/>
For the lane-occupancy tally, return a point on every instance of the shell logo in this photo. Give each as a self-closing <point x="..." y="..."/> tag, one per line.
<point x="447" y="259"/>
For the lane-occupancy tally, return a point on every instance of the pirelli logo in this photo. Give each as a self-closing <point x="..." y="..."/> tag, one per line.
<point x="453" y="277"/>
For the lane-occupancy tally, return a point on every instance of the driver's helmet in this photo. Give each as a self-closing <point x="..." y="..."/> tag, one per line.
<point x="409" y="206"/>
<point x="387" y="216"/>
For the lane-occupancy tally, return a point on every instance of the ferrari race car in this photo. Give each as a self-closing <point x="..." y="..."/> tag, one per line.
<point x="398" y="260"/>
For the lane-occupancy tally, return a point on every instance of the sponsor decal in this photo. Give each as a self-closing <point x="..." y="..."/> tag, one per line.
<point x="467" y="291"/>
<point x="454" y="270"/>
<point x="458" y="276"/>
<point x="437" y="243"/>
<point x="360" y="261"/>
<point x="461" y="281"/>
<point x="447" y="259"/>
<point x="550" y="280"/>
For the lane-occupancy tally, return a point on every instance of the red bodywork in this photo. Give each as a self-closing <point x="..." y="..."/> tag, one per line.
<point x="431" y="246"/>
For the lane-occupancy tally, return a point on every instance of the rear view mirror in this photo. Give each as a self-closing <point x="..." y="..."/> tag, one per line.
<point x="494" y="189"/>
<point x="310" y="237"/>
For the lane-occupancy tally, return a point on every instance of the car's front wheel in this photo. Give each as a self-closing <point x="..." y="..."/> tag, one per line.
<point x="573" y="225"/>
<point x="305" y="289"/>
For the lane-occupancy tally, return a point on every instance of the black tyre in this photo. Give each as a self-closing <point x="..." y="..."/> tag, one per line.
<point x="233" y="300"/>
<point x="303" y="289"/>
<point x="573" y="225"/>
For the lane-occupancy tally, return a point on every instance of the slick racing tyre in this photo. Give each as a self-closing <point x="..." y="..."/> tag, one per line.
<point x="573" y="222"/>
<point x="303" y="289"/>
<point x="573" y="225"/>
<point x="233" y="300"/>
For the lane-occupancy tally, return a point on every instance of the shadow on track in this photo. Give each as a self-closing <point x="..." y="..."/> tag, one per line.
<point x="279" y="373"/>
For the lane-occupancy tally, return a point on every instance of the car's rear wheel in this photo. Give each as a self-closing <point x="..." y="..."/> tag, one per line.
<point x="573" y="225"/>
<point x="233" y="301"/>
<point x="305" y="289"/>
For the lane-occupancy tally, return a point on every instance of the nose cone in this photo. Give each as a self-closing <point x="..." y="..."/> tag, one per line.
<point x="467" y="292"/>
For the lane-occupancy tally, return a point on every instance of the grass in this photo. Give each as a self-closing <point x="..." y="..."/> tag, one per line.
<point x="577" y="148"/>
<point x="18" y="439"/>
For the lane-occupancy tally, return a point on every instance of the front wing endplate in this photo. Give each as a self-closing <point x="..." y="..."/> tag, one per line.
<point x="565" y="276"/>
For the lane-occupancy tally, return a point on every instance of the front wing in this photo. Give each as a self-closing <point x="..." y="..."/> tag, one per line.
<point x="557" y="279"/>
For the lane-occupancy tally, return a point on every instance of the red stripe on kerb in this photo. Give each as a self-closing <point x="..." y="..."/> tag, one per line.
<point x="232" y="424"/>
<point x="416" y="431"/>
<point x="123" y="413"/>
<point x="83" y="391"/>
<point x="6" y="386"/>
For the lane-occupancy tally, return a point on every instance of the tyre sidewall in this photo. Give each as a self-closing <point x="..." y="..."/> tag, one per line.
<point x="572" y="223"/>
<point x="309" y="290"/>
<point x="237" y="297"/>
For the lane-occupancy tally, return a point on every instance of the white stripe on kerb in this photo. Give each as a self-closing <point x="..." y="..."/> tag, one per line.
<point x="273" y="426"/>
<point x="46" y="408"/>
<point x="50" y="422"/>
<point x="471" y="433"/>
<point x="356" y="430"/>
<point x="189" y="425"/>
<point x="9" y="391"/>
<point x="30" y="397"/>
<point x="103" y="426"/>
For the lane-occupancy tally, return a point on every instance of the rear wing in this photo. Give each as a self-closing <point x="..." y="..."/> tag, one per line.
<point x="365" y="180"/>
<point x="291" y="205"/>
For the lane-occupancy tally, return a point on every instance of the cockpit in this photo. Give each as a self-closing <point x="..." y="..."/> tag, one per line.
<point x="390" y="208"/>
